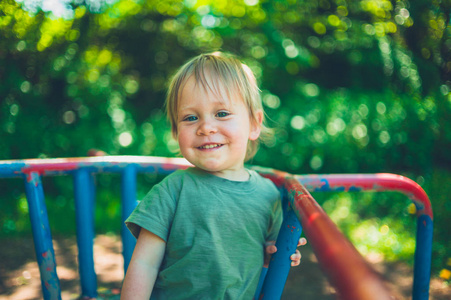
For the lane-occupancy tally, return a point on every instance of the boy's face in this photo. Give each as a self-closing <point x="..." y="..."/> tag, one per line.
<point x="213" y="130"/>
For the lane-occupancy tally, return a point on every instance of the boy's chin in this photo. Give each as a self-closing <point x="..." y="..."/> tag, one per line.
<point x="211" y="166"/>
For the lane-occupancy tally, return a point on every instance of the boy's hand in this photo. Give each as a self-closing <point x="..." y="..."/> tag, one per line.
<point x="271" y="249"/>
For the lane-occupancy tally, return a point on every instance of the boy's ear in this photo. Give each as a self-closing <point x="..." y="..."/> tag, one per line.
<point x="256" y="125"/>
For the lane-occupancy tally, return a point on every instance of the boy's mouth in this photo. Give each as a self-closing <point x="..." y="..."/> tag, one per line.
<point x="210" y="146"/>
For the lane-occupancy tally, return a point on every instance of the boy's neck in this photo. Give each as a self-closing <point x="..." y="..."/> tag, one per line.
<point x="232" y="175"/>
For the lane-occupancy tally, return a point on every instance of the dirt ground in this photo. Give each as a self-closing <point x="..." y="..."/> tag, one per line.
<point x="19" y="273"/>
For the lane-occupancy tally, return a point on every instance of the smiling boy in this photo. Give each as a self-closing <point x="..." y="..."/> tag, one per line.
<point x="202" y="231"/>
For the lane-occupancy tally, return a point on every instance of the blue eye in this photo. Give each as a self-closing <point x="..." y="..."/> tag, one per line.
<point x="222" y="114"/>
<point x="190" y="118"/>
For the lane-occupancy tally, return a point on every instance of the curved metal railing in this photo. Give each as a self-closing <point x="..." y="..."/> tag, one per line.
<point x="343" y="265"/>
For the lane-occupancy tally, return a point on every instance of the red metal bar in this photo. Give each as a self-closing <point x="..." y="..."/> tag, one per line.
<point x="346" y="269"/>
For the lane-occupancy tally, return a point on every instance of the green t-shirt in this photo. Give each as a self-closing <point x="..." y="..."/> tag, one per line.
<point x="215" y="230"/>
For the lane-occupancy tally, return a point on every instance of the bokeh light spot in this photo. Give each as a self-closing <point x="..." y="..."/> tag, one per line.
<point x="384" y="229"/>
<point x="381" y="108"/>
<point x="271" y="101"/>
<point x="125" y="139"/>
<point x="297" y="122"/>
<point x="319" y="28"/>
<point x="69" y="117"/>
<point x="316" y="162"/>
<point x="384" y="137"/>
<point x="311" y="90"/>
<point x="14" y="110"/>
<point x="25" y="87"/>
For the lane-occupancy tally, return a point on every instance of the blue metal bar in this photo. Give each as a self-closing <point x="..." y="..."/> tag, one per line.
<point x="42" y="236"/>
<point x="423" y="254"/>
<point x="11" y="169"/>
<point x="129" y="203"/>
<point x="280" y="263"/>
<point x="84" y="215"/>
<point x="260" y="283"/>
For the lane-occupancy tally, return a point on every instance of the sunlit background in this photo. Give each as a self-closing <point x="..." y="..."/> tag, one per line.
<point x="348" y="85"/>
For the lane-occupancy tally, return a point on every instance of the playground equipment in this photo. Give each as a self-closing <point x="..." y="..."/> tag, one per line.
<point x="343" y="265"/>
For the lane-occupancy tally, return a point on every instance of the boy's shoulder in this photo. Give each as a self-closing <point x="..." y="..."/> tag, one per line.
<point x="261" y="178"/>
<point x="266" y="185"/>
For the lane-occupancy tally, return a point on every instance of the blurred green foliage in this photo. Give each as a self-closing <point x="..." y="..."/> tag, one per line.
<point x="348" y="85"/>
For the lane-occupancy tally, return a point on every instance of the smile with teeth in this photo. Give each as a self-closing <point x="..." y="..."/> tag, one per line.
<point x="210" y="146"/>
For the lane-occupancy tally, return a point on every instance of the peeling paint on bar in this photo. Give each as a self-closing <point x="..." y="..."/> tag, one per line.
<point x="42" y="236"/>
<point x="49" y="278"/>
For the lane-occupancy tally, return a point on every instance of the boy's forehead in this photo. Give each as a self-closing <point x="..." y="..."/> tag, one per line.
<point x="214" y="89"/>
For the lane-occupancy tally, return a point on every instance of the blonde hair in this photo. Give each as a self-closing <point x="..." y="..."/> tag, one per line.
<point x="213" y="71"/>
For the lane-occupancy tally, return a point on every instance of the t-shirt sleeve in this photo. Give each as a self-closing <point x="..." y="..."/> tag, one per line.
<point x="276" y="219"/>
<point x="154" y="213"/>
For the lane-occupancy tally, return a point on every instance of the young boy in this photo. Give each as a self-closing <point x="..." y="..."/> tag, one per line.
<point x="202" y="231"/>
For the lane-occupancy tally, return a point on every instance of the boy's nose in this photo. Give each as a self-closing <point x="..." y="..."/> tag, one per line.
<point x="206" y="128"/>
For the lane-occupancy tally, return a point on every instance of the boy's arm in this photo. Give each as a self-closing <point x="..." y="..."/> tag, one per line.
<point x="144" y="266"/>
